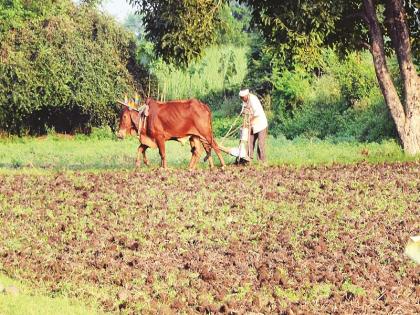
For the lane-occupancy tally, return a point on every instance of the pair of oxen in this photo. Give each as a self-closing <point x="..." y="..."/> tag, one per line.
<point x="173" y="120"/>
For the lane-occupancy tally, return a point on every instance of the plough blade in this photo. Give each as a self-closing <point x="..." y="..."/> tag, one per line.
<point x="236" y="152"/>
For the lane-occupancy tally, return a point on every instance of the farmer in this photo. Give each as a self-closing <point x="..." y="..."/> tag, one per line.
<point x="258" y="126"/>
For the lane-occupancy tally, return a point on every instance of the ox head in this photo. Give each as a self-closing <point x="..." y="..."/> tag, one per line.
<point x="127" y="124"/>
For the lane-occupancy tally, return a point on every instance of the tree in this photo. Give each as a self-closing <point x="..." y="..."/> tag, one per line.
<point x="405" y="112"/>
<point x="234" y="26"/>
<point x="180" y="29"/>
<point x="134" y="22"/>
<point x="296" y="30"/>
<point x="62" y="66"/>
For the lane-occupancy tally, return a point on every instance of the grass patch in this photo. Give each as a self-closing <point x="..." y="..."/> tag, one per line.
<point x="28" y="302"/>
<point x="58" y="152"/>
<point x="203" y="78"/>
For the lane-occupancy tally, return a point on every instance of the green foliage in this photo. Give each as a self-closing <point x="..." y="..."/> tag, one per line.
<point x="63" y="69"/>
<point x="296" y="30"/>
<point x="234" y="27"/>
<point x="260" y="67"/>
<point x="221" y="125"/>
<point x="356" y="76"/>
<point x="102" y="133"/>
<point x="15" y="13"/>
<point x="180" y="29"/>
<point x="81" y="152"/>
<point x="202" y="79"/>
<point x="227" y="68"/>
<point x="353" y="289"/>
<point x="344" y="102"/>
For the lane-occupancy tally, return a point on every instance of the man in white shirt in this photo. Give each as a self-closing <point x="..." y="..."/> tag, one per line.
<point x="259" y="124"/>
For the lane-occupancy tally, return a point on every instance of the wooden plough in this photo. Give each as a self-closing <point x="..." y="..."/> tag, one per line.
<point x="240" y="152"/>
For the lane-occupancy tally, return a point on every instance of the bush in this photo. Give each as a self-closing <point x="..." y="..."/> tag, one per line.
<point x="97" y="133"/>
<point x="221" y="125"/>
<point x="62" y="67"/>
<point x="356" y="75"/>
<point x="372" y="123"/>
<point x="260" y="68"/>
<point x="342" y="101"/>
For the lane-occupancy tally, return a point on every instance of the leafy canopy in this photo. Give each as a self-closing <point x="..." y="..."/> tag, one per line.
<point x="295" y="30"/>
<point x="61" y="66"/>
<point x="181" y="28"/>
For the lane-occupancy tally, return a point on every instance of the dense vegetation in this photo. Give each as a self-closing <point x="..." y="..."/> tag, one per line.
<point x="340" y="100"/>
<point x="295" y="33"/>
<point x="62" y="66"/>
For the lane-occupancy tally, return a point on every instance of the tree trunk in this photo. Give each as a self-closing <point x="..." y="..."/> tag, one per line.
<point x="398" y="30"/>
<point x="406" y="115"/>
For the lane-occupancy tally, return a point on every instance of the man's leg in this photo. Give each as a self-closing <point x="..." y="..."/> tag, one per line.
<point x="262" y="135"/>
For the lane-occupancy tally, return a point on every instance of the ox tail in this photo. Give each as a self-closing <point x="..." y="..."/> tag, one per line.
<point x="214" y="146"/>
<point x="211" y="142"/>
<point x="217" y="150"/>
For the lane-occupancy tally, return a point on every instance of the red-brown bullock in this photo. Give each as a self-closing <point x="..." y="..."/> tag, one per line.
<point x="172" y="120"/>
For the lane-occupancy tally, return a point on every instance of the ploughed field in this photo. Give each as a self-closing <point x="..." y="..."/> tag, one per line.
<point x="311" y="239"/>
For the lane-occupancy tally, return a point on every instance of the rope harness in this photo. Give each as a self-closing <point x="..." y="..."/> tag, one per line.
<point x="143" y="114"/>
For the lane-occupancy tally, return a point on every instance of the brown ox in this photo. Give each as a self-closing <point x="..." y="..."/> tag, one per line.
<point x="172" y="120"/>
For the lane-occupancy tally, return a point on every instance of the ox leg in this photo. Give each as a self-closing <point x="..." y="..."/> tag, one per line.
<point x="196" y="152"/>
<point x="193" y="149"/>
<point x="161" y="145"/>
<point x="218" y="153"/>
<point x="145" y="160"/>
<point x="216" y="149"/>
<point x="141" y="151"/>
<point x="208" y="157"/>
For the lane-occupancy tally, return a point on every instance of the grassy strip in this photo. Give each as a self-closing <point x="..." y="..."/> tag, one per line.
<point x="67" y="153"/>
<point x="25" y="301"/>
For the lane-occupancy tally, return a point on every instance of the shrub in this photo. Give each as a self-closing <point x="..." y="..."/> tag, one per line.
<point x="62" y="66"/>
<point x="341" y="101"/>
<point x="221" y="125"/>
